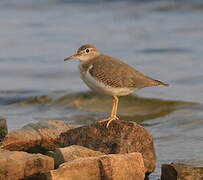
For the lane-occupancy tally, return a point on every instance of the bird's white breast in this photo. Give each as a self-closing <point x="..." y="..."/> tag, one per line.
<point x="100" y="87"/>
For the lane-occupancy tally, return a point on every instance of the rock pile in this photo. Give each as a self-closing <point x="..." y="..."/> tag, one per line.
<point x="123" y="151"/>
<point x="119" y="138"/>
<point x="114" y="166"/>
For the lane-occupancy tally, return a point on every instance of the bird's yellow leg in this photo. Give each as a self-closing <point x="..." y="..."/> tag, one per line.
<point x="113" y="112"/>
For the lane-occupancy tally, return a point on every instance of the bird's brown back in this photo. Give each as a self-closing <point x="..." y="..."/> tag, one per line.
<point x="117" y="74"/>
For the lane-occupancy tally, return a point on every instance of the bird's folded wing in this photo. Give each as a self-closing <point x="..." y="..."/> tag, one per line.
<point x="115" y="73"/>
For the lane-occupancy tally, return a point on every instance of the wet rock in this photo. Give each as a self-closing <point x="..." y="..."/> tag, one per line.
<point x="16" y="165"/>
<point x="106" y="167"/>
<point x="180" y="171"/>
<point x="37" y="137"/>
<point x="120" y="137"/>
<point x="70" y="153"/>
<point x="3" y="128"/>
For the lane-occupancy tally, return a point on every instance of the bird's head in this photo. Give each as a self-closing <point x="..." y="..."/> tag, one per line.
<point x="84" y="53"/>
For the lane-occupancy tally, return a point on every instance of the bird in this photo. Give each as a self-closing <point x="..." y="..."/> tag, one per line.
<point x="107" y="75"/>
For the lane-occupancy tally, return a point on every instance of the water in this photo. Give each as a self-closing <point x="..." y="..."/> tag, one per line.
<point x="163" y="39"/>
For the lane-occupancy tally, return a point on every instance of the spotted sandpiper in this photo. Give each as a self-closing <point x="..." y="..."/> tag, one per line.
<point x="108" y="75"/>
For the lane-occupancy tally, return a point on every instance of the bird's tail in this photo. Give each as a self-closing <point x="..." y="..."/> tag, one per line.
<point x="159" y="83"/>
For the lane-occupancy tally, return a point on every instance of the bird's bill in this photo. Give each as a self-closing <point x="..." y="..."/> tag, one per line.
<point x="75" y="56"/>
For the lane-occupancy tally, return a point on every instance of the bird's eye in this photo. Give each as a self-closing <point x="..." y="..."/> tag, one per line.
<point x="87" y="50"/>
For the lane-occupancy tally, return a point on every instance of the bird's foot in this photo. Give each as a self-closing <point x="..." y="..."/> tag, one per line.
<point x="109" y="120"/>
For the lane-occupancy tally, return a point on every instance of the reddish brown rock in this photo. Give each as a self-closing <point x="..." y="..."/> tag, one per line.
<point x="16" y="165"/>
<point x="106" y="167"/>
<point x="3" y="128"/>
<point x="180" y="171"/>
<point x="70" y="153"/>
<point x="36" y="137"/>
<point x="119" y="137"/>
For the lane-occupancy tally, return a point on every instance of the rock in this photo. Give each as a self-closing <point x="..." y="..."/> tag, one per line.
<point x="3" y="128"/>
<point x="16" y="165"/>
<point x="38" y="137"/>
<point x="120" y="137"/>
<point x="126" y="166"/>
<point x="180" y="171"/>
<point x="70" y="153"/>
<point x="106" y="167"/>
